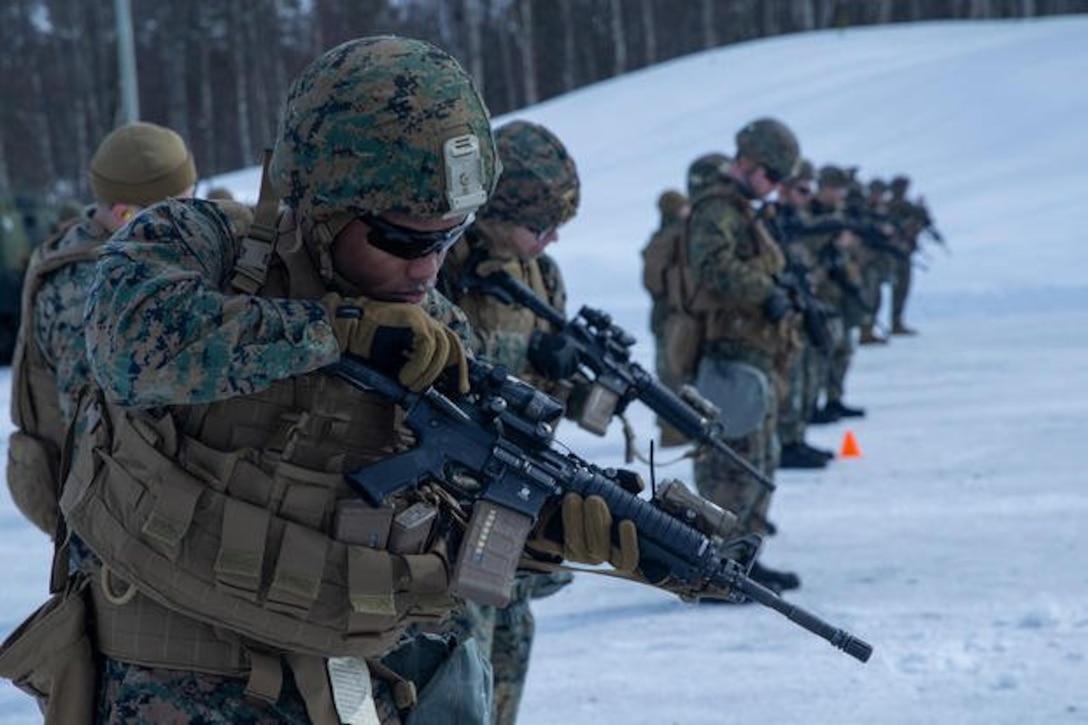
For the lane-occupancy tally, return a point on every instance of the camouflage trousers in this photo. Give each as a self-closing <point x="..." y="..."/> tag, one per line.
<point x="505" y="636"/>
<point x="838" y="365"/>
<point x="133" y="694"/>
<point x="901" y="280"/>
<point x="796" y="407"/>
<point x="727" y="484"/>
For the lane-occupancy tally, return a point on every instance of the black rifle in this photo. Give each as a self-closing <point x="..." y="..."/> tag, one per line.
<point x="834" y="261"/>
<point x="796" y="280"/>
<point x="501" y="438"/>
<point x="604" y="348"/>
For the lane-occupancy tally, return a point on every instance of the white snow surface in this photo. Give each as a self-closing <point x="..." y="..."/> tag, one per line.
<point x="955" y="544"/>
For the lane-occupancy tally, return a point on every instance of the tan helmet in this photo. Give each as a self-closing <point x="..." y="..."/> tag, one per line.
<point x="383" y="124"/>
<point x="769" y="142"/>
<point x="539" y="187"/>
<point x="141" y="163"/>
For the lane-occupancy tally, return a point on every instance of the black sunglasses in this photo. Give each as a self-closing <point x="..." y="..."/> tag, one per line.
<point x="772" y="176"/>
<point x="411" y="243"/>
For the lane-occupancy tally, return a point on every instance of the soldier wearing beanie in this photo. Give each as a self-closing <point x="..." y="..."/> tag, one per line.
<point x="133" y="167"/>
<point x="537" y="193"/>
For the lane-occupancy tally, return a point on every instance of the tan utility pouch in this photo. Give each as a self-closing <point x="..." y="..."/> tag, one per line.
<point x="50" y="657"/>
<point x="683" y="337"/>
<point x="32" y="478"/>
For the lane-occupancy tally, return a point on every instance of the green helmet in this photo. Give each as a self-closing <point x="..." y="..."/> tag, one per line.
<point x="705" y="171"/>
<point x="771" y="143"/>
<point x="539" y="186"/>
<point x="900" y="183"/>
<point x="805" y="171"/>
<point x="384" y="124"/>
<point x="832" y="177"/>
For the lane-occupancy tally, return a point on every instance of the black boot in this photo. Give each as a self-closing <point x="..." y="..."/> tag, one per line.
<point x="776" y="581"/>
<point x="844" y="411"/>
<point x="824" y="453"/>
<point x="798" y="455"/>
<point x="824" y="415"/>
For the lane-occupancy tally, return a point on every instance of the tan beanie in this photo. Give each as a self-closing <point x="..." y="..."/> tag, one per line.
<point x="141" y="163"/>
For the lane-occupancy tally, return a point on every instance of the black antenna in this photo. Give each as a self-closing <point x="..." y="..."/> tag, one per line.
<point x="653" y="478"/>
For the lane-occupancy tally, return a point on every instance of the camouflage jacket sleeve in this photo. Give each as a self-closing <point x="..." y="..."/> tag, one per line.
<point x="163" y="326"/>
<point x="719" y="235"/>
<point x="58" y="317"/>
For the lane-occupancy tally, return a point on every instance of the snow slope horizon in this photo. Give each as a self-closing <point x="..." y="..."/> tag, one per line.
<point x="955" y="544"/>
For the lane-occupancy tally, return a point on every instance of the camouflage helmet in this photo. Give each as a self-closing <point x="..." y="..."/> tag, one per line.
<point x="832" y="177"/>
<point x="705" y="171"/>
<point x="539" y="187"/>
<point x="900" y="183"/>
<point x="805" y="171"/>
<point x="877" y="186"/>
<point x="769" y="142"/>
<point x="384" y="124"/>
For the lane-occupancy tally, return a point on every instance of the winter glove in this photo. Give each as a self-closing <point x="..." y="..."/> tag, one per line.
<point x="585" y="534"/>
<point x="399" y="338"/>
<point x="553" y="355"/>
<point x="777" y="305"/>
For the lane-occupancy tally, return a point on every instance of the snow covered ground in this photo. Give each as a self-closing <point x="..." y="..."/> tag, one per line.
<point x="955" y="544"/>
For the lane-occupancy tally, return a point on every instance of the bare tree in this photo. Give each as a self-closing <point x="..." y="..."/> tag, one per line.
<point x="706" y="15"/>
<point x="649" y="32"/>
<point x="619" y="38"/>
<point x="523" y="32"/>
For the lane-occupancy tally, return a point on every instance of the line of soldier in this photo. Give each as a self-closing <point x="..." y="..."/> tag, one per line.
<point x="760" y="284"/>
<point x="179" y="440"/>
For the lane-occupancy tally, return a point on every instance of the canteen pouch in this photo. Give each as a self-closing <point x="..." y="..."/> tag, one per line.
<point x="50" y="657"/>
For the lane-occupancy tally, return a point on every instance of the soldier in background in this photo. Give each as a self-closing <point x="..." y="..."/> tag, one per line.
<point x="749" y="326"/>
<point x="787" y="220"/>
<point x="134" y="166"/>
<point x="537" y="194"/>
<point x="839" y="248"/>
<point x="909" y="218"/>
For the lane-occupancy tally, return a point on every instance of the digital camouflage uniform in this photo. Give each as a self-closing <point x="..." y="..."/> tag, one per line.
<point x="538" y="190"/>
<point x="186" y="324"/>
<point x="737" y="260"/>
<point x="843" y="287"/>
<point x="58" y="314"/>
<point x="909" y="219"/>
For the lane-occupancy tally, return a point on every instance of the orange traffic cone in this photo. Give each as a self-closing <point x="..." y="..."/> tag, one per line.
<point x="850" y="447"/>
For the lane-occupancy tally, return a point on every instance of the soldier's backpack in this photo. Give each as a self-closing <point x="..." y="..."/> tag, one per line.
<point x="34" y="449"/>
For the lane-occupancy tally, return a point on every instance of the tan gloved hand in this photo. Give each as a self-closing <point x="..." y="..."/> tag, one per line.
<point x="586" y="535"/>
<point x="398" y="337"/>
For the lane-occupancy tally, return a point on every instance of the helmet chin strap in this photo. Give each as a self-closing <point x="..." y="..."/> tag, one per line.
<point x="322" y="234"/>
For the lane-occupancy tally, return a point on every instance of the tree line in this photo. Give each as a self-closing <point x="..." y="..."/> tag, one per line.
<point x="217" y="71"/>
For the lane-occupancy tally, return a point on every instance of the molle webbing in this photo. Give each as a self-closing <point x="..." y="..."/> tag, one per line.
<point x="266" y="569"/>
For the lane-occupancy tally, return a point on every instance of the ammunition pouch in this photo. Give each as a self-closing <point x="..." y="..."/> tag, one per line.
<point x="222" y="539"/>
<point x="32" y="478"/>
<point x="684" y="334"/>
<point x="50" y="657"/>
